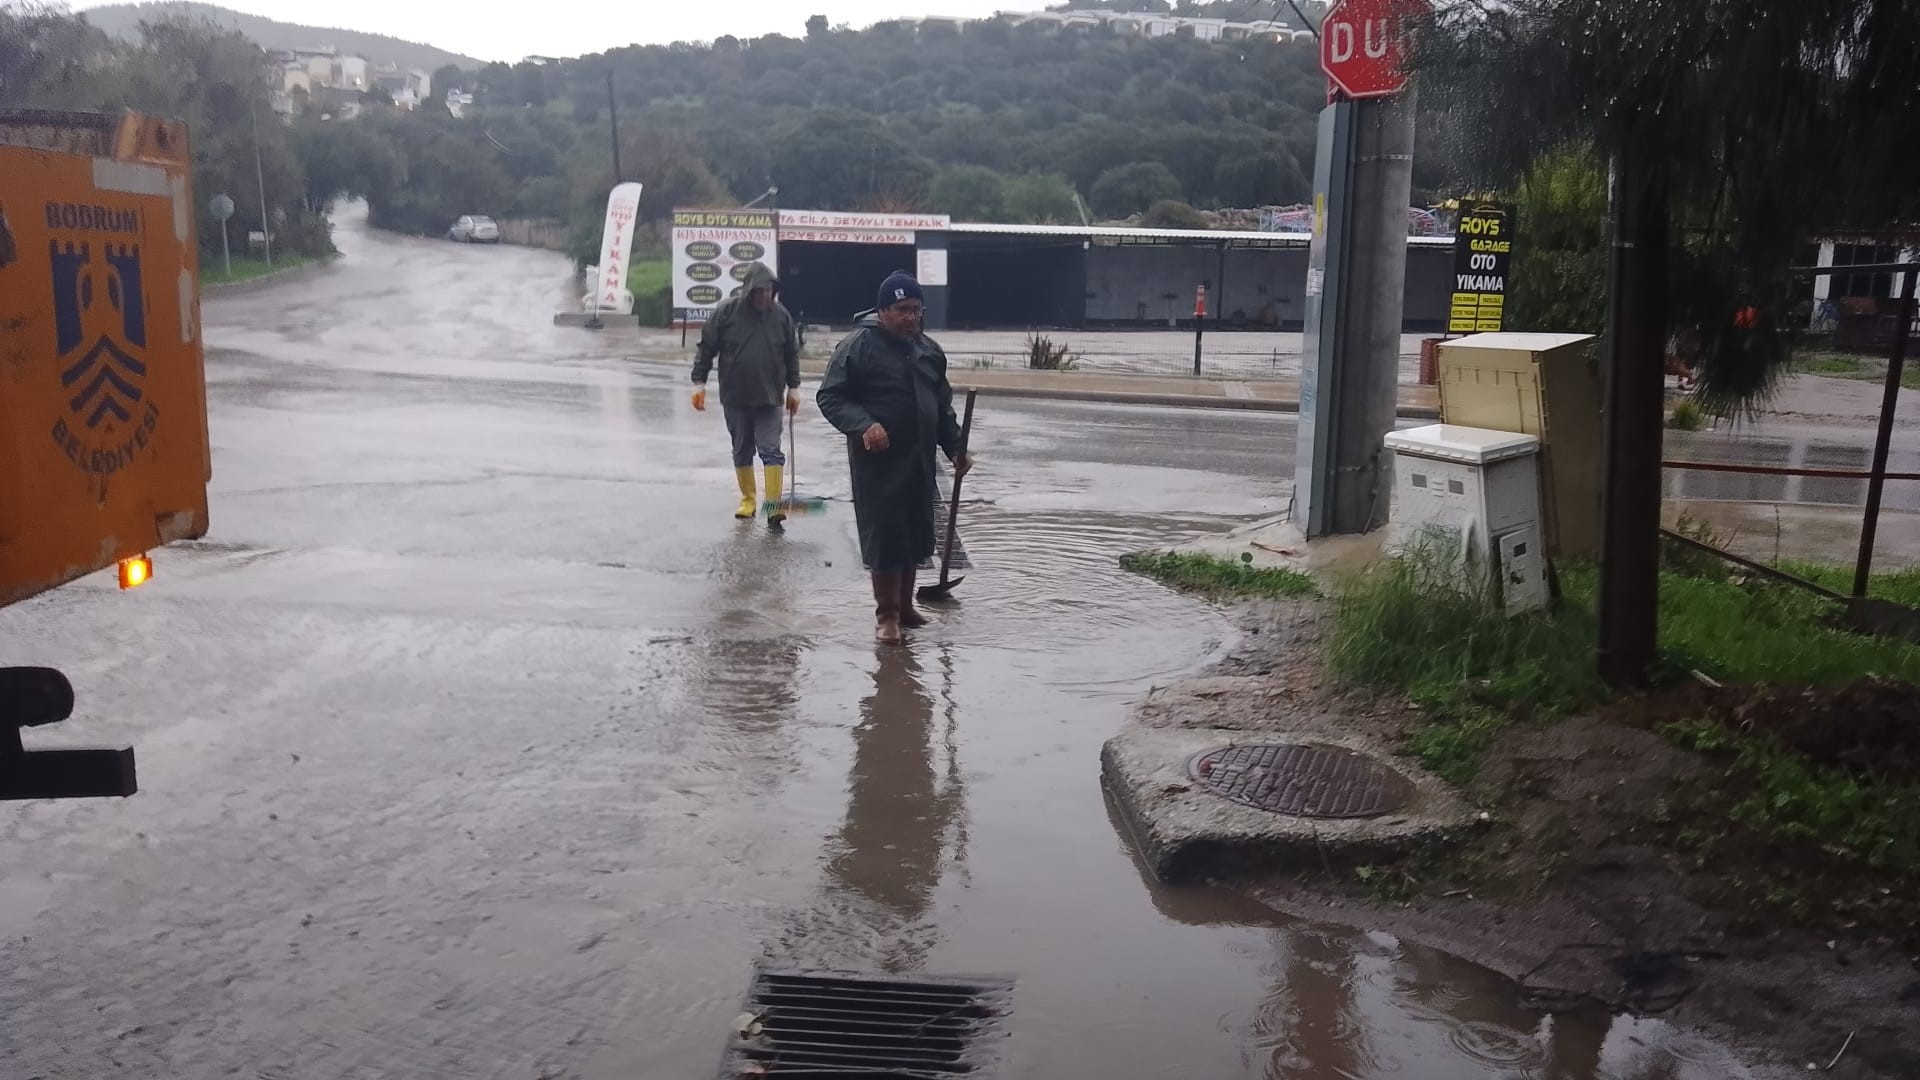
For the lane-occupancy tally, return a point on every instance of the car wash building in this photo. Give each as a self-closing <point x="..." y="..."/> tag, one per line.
<point x="1003" y="277"/>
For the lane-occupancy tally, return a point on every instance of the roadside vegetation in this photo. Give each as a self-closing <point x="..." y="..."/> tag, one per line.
<point x="1900" y="586"/>
<point x="1475" y="670"/>
<point x="215" y="80"/>
<point x="650" y="280"/>
<point x="1686" y="416"/>
<point x="1454" y="652"/>
<point x="1864" y="368"/>
<point x="1812" y="726"/>
<point x="1219" y="579"/>
<point x="213" y="273"/>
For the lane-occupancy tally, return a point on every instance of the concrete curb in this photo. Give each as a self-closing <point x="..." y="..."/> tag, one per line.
<point x="1185" y="833"/>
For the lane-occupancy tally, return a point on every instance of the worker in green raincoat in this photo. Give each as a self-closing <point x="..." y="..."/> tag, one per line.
<point x="886" y="389"/>
<point x="751" y="336"/>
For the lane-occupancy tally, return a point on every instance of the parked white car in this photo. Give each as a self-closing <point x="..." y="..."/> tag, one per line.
<point x="475" y="229"/>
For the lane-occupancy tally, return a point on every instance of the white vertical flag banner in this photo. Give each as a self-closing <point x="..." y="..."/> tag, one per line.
<point x="616" y="246"/>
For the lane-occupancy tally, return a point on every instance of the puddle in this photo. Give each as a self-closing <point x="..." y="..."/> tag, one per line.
<point x="478" y="740"/>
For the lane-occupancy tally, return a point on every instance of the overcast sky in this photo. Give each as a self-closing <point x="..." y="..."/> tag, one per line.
<point x="573" y="27"/>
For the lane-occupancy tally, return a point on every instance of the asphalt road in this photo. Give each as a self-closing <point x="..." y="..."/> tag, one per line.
<point x="478" y="739"/>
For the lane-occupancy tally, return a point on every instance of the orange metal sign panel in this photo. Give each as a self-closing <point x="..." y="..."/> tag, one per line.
<point x="103" y="418"/>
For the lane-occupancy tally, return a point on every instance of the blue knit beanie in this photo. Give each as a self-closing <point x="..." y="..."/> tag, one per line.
<point x="899" y="286"/>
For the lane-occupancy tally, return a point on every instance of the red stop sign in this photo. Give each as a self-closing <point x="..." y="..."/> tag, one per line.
<point x="1361" y="45"/>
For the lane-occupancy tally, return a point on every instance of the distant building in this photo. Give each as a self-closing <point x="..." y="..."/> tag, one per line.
<point x="1157" y="25"/>
<point x="323" y="67"/>
<point x="339" y="103"/>
<point x="458" y="102"/>
<point x="1006" y="276"/>
<point x="407" y="88"/>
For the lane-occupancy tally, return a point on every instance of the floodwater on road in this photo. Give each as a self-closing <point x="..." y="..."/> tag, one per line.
<point x="478" y="740"/>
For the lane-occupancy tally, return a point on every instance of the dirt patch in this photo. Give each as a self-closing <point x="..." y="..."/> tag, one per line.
<point x="1869" y="730"/>
<point x="1609" y="871"/>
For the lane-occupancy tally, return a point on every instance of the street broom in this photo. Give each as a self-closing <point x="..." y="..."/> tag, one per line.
<point x="793" y="503"/>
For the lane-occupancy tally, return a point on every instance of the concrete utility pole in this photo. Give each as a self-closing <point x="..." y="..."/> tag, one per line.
<point x="260" y="178"/>
<point x="1356" y="272"/>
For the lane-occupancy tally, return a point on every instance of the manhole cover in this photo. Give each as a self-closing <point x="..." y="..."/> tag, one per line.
<point x="1302" y="781"/>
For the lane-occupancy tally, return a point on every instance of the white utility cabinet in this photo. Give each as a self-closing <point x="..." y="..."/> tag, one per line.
<point x="1477" y="493"/>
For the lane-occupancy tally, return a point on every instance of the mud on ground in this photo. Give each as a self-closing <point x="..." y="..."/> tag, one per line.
<point x="1583" y="884"/>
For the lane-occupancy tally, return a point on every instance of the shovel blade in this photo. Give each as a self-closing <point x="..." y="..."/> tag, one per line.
<point x="938" y="592"/>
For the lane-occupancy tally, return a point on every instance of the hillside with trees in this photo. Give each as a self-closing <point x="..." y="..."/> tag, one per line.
<point x="984" y="120"/>
<point x="217" y="80"/>
<point x="873" y="119"/>
<point x="122" y="22"/>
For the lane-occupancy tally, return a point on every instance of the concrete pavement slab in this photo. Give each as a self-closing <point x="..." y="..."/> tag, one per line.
<point x="1184" y="831"/>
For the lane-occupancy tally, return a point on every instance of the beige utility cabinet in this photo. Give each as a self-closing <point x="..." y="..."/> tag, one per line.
<point x="1545" y="385"/>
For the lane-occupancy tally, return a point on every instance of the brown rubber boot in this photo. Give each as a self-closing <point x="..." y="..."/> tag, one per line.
<point x="910" y="617"/>
<point x="886" y="607"/>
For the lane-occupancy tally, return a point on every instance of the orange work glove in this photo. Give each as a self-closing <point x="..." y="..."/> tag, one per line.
<point x="700" y="399"/>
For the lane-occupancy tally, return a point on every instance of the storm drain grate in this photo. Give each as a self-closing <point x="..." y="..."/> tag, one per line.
<point x="1301" y="781"/>
<point x="829" y="1026"/>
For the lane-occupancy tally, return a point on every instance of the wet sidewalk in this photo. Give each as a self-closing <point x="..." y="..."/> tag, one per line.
<point x="1113" y="388"/>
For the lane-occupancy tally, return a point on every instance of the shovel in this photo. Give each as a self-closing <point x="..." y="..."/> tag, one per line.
<point x="944" y="588"/>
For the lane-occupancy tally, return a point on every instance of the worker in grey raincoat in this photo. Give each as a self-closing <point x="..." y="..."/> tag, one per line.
<point x="886" y="389"/>
<point x="753" y="338"/>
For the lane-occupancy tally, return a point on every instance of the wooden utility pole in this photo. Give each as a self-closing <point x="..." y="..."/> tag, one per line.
<point x="1629" y="595"/>
<point x="613" y="120"/>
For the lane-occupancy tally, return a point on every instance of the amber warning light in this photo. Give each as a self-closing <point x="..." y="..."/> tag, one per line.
<point x="134" y="572"/>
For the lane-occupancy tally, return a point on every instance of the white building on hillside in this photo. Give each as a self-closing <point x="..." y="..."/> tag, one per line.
<point x="1157" y="24"/>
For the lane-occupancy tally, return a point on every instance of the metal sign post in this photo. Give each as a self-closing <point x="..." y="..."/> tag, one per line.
<point x="1199" y="324"/>
<point x="222" y="208"/>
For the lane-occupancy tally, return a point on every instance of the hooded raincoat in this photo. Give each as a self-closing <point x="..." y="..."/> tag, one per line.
<point x="758" y="351"/>
<point x="876" y="378"/>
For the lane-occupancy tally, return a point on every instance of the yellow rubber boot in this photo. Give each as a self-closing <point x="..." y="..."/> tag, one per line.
<point x="775" y="473"/>
<point x="749" y="502"/>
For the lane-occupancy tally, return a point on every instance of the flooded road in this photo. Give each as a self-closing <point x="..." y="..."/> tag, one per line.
<point x="478" y="740"/>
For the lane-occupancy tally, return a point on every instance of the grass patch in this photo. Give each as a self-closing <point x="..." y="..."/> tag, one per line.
<point x="1686" y="416"/>
<point x="649" y="276"/>
<point x="1838" y="364"/>
<point x="1760" y="632"/>
<point x="1476" y="671"/>
<point x="212" y="271"/>
<point x="1899" y="586"/>
<point x="1786" y="798"/>
<point x="1849" y="366"/>
<point x="651" y="283"/>
<point x="1459" y="656"/>
<point x="1218" y="578"/>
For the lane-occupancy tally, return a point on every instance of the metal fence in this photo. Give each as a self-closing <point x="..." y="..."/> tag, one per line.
<point x="1236" y="355"/>
<point x="1876" y="475"/>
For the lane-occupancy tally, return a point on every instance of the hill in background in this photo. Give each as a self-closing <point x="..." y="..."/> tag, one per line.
<point x="123" y="21"/>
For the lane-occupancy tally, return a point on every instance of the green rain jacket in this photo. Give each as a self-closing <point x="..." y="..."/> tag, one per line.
<point x="875" y="377"/>
<point x="758" y="351"/>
